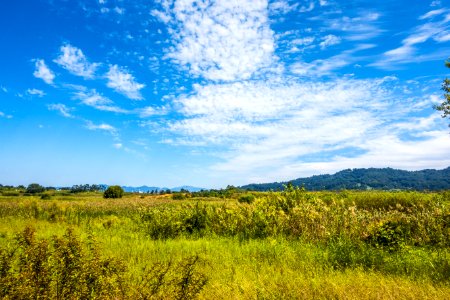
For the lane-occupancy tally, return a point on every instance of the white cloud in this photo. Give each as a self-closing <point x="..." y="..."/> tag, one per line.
<point x="118" y="145"/>
<point x="321" y="67"/>
<point x="221" y="40"/>
<point x="435" y="3"/>
<point x="102" y="126"/>
<point x="360" y="28"/>
<point x="282" y="7"/>
<point x="152" y="111"/>
<point x="254" y="110"/>
<point x="62" y="109"/>
<point x="123" y="82"/>
<point x="73" y="60"/>
<point x="161" y="16"/>
<point x="282" y="125"/>
<point x="119" y="10"/>
<point x="408" y="51"/>
<point x="36" y="92"/>
<point x="303" y="41"/>
<point x="432" y="13"/>
<point x="3" y="115"/>
<point x="93" y="99"/>
<point x="329" y="40"/>
<point x="442" y="37"/>
<point x="3" y="89"/>
<point x="43" y="72"/>
<point x="308" y="7"/>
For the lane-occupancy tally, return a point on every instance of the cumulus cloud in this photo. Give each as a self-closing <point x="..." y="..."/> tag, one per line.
<point x="62" y="109"/>
<point x="124" y="83"/>
<point x="220" y="40"/>
<point x="43" y="72"/>
<point x="73" y="60"/>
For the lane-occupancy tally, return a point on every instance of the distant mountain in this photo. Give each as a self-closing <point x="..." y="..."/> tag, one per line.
<point x="145" y="189"/>
<point x="187" y="188"/>
<point x="365" y="179"/>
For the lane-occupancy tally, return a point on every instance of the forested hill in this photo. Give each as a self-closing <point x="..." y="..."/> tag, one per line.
<point x="363" y="179"/>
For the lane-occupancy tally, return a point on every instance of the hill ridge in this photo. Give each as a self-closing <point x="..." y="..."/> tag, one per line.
<point x="366" y="179"/>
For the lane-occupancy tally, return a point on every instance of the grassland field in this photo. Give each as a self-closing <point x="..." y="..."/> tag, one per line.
<point x="279" y="245"/>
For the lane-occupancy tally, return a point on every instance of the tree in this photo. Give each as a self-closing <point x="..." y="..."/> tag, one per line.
<point x="114" y="191"/>
<point x="35" y="188"/>
<point x="444" y="107"/>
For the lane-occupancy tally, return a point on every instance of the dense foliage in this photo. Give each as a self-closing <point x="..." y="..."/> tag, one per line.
<point x="113" y="191"/>
<point x="366" y="179"/>
<point x="444" y="107"/>
<point x="35" y="188"/>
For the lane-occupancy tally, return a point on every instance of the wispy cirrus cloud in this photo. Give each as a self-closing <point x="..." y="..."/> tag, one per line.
<point x="102" y="127"/>
<point x="362" y="27"/>
<point x="94" y="99"/>
<point x="322" y="67"/>
<point x="36" y="92"/>
<point x="437" y="31"/>
<point x="124" y="83"/>
<point x="73" y="60"/>
<point x="62" y="109"/>
<point x="43" y="72"/>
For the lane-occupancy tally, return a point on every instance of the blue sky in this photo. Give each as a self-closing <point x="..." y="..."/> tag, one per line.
<point x="211" y="93"/>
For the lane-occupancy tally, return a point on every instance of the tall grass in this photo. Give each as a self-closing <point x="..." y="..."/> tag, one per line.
<point x="293" y="244"/>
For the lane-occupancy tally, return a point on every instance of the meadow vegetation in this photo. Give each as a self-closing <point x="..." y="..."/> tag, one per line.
<point x="225" y="245"/>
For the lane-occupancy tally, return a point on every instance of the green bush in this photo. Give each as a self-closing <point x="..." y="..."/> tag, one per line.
<point x="60" y="268"/>
<point x="46" y="197"/>
<point x="35" y="188"/>
<point x="247" y="198"/>
<point x="114" y="191"/>
<point x="178" y="196"/>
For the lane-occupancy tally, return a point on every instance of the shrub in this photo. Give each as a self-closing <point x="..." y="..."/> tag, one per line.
<point x="35" y="188"/>
<point x="247" y="198"/>
<point x="113" y="191"/>
<point x="59" y="268"/>
<point x="46" y="197"/>
<point x="178" y="196"/>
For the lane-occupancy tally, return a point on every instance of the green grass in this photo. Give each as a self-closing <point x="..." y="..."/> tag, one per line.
<point x="290" y="245"/>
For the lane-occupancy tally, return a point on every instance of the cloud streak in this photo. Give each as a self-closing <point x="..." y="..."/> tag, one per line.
<point x="62" y="109"/>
